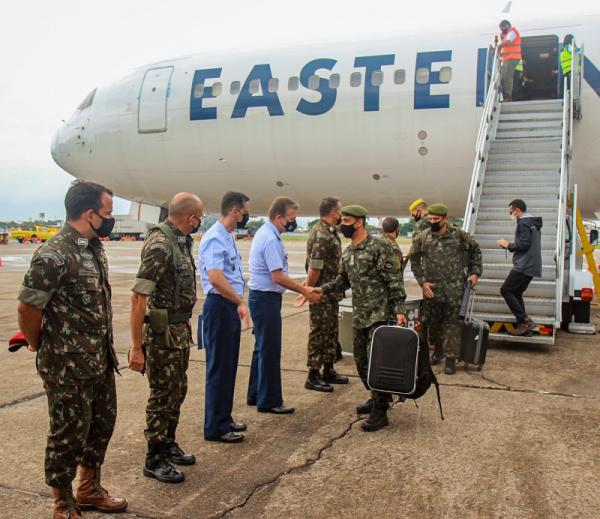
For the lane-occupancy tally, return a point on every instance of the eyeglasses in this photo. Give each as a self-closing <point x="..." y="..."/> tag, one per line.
<point x="197" y="218"/>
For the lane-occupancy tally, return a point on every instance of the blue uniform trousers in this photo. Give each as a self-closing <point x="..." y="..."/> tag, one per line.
<point x="264" y="387"/>
<point x="222" y="328"/>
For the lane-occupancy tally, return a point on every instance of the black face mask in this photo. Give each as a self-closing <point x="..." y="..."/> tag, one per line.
<point x="416" y="218"/>
<point x="290" y="226"/>
<point x="338" y="221"/>
<point x="347" y="230"/>
<point x="242" y="224"/>
<point x="196" y="228"/>
<point x="105" y="228"/>
<point x="437" y="226"/>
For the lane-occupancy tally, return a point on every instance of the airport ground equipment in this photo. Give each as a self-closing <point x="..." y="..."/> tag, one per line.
<point x="524" y="149"/>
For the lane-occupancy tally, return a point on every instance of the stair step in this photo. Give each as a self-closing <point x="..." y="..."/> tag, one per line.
<point x="504" y="163"/>
<point x="535" y="203"/>
<point x="506" y="227"/>
<point x="529" y="133"/>
<point x="533" y="339"/>
<point x="524" y="156"/>
<point x="524" y="189"/>
<point x="499" y="255"/>
<point x="555" y="116"/>
<point x="554" y="105"/>
<point x="510" y="318"/>
<point x="496" y="304"/>
<point x="489" y="241"/>
<point x="501" y="176"/>
<point x="537" y="288"/>
<point x="530" y="125"/>
<point x="501" y="270"/>
<point x="496" y="214"/>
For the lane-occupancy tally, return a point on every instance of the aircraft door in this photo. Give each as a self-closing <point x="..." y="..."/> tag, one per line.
<point x="154" y="95"/>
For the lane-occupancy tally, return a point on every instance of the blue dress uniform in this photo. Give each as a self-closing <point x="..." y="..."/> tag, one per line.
<point x="222" y="328"/>
<point x="267" y="254"/>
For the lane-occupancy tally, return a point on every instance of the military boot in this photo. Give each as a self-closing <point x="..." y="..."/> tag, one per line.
<point x="157" y="467"/>
<point x="331" y="376"/>
<point x="438" y="354"/>
<point x="64" y="504"/>
<point x="316" y="383"/>
<point x="176" y="455"/>
<point x="377" y="417"/>
<point x="365" y="408"/>
<point x="450" y="368"/>
<point x="91" y="495"/>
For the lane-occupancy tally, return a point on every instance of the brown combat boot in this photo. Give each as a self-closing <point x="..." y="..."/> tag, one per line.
<point x="64" y="504"/>
<point x="92" y="496"/>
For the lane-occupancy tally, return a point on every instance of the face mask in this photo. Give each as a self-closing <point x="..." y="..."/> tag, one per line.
<point x="105" y="228"/>
<point x="196" y="228"/>
<point x="290" y="226"/>
<point x="416" y="218"/>
<point x="513" y="216"/>
<point x="348" y="230"/>
<point x="338" y="221"/>
<point x="245" y="218"/>
<point x="437" y="226"/>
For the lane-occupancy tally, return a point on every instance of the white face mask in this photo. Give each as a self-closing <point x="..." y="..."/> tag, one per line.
<point x="513" y="216"/>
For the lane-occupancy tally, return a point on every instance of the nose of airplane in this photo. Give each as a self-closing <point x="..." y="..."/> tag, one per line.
<point x="54" y="147"/>
<point x="61" y="147"/>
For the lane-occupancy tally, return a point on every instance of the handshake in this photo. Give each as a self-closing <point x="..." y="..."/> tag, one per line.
<point x="311" y="294"/>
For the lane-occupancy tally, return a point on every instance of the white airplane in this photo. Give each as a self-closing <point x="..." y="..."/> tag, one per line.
<point x="378" y="123"/>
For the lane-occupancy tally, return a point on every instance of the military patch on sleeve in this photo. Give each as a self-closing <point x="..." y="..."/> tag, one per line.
<point x="56" y="257"/>
<point x="159" y="245"/>
<point x="388" y="265"/>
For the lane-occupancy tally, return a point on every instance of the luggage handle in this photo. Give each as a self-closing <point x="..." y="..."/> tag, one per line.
<point x="468" y="302"/>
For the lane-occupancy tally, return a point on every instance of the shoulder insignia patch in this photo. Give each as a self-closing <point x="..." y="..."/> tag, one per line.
<point x="89" y="265"/>
<point x="82" y="242"/>
<point x="388" y="265"/>
<point x="159" y="245"/>
<point x="56" y="257"/>
<point x="87" y="254"/>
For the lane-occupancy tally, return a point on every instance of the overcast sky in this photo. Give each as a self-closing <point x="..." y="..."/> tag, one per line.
<point x="53" y="53"/>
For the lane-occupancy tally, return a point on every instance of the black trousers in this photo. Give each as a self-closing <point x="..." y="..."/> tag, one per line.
<point x="512" y="291"/>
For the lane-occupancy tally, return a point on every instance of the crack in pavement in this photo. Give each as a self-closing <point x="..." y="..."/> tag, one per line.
<point x="21" y="401"/>
<point x="509" y="389"/>
<point x="47" y="495"/>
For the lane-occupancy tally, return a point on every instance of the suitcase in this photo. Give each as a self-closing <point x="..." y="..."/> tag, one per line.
<point x="475" y="332"/>
<point x="393" y="360"/>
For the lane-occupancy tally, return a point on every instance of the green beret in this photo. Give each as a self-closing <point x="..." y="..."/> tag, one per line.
<point x="354" y="210"/>
<point x="438" y="209"/>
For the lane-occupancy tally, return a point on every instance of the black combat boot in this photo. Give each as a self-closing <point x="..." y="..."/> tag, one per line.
<point x="450" y="368"/>
<point x="338" y="352"/>
<point x="378" y="416"/>
<point x="158" y="467"/>
<point x="331" y="376"/>
<point x="175" y="455"/>
<point x="316" y="383"/>
<point x="438" y="354"/>
<point x="365" y="408"/>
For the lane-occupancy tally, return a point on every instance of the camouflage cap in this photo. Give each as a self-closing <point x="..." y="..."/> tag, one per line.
<point x="438" y="209"/>
<point x="415" y="204"/>
<point x="354" y="210"/>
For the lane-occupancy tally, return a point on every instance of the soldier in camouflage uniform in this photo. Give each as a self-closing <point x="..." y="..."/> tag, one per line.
<point x="65" y="314"/>
<point x="418" y="212"/>
<point x="370" y="267"/>
<point x="164" y="294"/>
<point x="390" y="229"/>
<point x="323" y="253"/>
<point x="443" y="258"/>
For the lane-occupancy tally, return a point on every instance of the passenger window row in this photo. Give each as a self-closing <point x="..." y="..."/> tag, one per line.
<point x="356" y="78"/>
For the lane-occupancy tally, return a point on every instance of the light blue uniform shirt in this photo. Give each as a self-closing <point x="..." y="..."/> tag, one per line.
<point x="218" y="251"/>
<point x="267" y="254"/>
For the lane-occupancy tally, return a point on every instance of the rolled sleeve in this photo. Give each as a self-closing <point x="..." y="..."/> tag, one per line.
<point x="156" y="256"/>
<point x="274" y="255"/>
<point x="144" y="287"/>
<point x="33" y="297"/>
<point x="43" y="278"/>
<point x="316" y="264"/>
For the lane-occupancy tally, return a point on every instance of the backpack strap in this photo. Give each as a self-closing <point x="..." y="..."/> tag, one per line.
<point x="437" y="390"/>
<point x="176" y="252"/>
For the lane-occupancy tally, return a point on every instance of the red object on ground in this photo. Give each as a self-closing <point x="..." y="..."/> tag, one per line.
<point x="17" y="341"/>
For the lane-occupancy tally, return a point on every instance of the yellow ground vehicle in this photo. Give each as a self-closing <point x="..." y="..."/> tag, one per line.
<point x="39" y="232"/>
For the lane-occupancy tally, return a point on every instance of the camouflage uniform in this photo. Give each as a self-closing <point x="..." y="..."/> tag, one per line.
<point x="446" y="261"/>
<point x="324" y="249"/>
<point x="422" y="225"/>
<point x="168" y="353"/>
<point x="373" y="272"/>
<point x="68" y="282"/>
<point x="394" y="244"/>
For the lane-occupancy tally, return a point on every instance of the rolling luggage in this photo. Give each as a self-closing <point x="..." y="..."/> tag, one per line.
<point x="475" y="332"/>
<point x="399" y="364"/>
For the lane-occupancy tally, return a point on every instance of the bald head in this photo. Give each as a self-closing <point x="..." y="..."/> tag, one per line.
<point x="185" y="211"/>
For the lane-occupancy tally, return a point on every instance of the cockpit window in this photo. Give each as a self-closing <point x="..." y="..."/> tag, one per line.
<point x="87" y="102"/>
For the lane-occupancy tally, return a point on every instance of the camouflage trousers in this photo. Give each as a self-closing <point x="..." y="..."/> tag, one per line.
<point x="361" y="348"/>
<point x="323" y="335"/>
<point x="167" y="375"/>
<point x="82" y="420"/>
<point x="442" y="325"/>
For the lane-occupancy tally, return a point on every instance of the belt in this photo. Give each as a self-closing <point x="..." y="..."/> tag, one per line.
<point x="174" y="318"/>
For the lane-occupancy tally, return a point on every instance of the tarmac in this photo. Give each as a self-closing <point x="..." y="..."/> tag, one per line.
<point x="520" y="439"/>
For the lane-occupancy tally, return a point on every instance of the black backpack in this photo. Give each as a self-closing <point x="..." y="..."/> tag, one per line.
<point x="425" y="376"/>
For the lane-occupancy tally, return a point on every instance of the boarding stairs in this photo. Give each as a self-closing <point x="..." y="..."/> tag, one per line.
<point x="523" y="151"/>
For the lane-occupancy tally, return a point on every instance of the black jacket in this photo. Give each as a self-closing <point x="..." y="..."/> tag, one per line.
<point x="527" y="247"/>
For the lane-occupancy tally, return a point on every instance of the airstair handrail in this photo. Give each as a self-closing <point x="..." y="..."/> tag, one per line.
<point x="482" y="143"/>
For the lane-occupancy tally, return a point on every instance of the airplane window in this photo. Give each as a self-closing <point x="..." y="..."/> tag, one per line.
<point x="293" y="83"/>
<point x="254" y="86"/>
<point x="235" y="88"/>
<point x="399" y="77"/>
<point x="273" y="85"/>
<point x="217" y="88"/>
<point x="445" y="74"/>
<point x="422" y="76"/>
<point x="313" y="82"/>
<point x="89" y="99"/>
<point x="334" y="81"/>
<point x="355" y="79"/>
<point x="199" y="90"/>
<point x="377" y="78"/>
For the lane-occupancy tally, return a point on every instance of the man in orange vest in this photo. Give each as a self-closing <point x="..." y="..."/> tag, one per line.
<point x="510" y="55"/>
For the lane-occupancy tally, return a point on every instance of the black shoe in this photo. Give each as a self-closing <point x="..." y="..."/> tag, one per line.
<point x="316" y="383"/>
<point x="331" y="376"/>
<point x="230" y="437"/>
<point x="251" y="403"/>
<point x="366" y="407"/>
<point x="159" y="468"/>
<point x="450" y="368"/>
<point x="174" y="454"/>
<point x="338" y="353"/>
<point x="377" y="419"/>
<point x="437" y="355"/>
<point x="238" y="426"/>
<point x="282" y="409"/>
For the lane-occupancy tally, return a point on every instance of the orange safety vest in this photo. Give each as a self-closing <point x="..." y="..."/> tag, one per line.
<point x="512" y="51"/>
